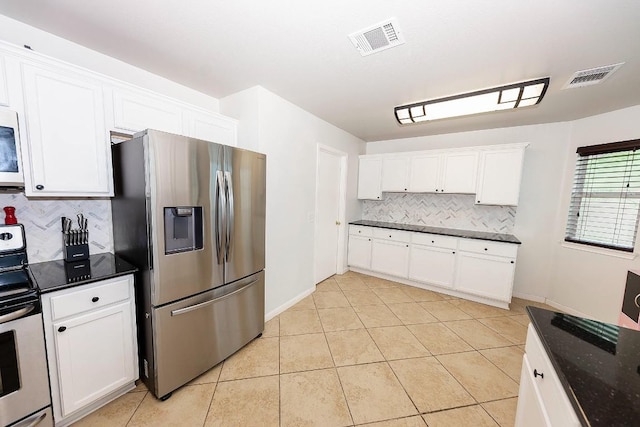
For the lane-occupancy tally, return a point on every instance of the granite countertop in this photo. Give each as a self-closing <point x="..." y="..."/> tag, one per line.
<point x="468" y="234"/>
<point x="56" y="275"/>
<point x="597" y="363"/>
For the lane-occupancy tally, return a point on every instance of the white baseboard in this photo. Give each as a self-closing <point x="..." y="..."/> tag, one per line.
<point x="568" y="310"/>
<point x="273" y="313"/>
<point x="529" y="297"/>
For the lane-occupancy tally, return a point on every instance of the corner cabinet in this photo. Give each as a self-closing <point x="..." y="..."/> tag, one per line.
<point x="67" y="146"/>
<point x="90" y="334"/>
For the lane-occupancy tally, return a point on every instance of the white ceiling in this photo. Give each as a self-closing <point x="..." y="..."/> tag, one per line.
<point x="300" y="50"/>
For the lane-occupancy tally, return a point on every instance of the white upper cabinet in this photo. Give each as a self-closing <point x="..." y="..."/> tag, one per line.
<point x="499" y="176"/>
<point x="4" y="92"/>
<point x="67" y="151"/>
<point x="210" y="127"/>
<point x="134" y="111"/>
<point x="395" y="174"/>
<point x="424" y="175"/>
<point x="459" y="169"/>
<point x="369" y="178"/>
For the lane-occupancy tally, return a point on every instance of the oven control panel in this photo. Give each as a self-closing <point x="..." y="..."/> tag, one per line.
<point x="11" y="238"/>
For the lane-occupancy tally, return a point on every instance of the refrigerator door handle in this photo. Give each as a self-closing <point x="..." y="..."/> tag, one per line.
<point x="219" y="215"/>
<point x="230" y="212"/>
<point x="211" y="301"/>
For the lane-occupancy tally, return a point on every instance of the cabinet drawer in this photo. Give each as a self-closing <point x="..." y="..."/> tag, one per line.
<point x="554" y="399"/>
<point x="81" y="300"/>
<point x="389" y="234"/>
<point x="360" y="230"/>
<point x="490" y="248"/>
<point x="435" y="240"/>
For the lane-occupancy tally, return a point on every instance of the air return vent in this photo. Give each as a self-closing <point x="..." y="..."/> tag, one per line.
<point x="375" y="38"/>
<point x="592" y="76"/>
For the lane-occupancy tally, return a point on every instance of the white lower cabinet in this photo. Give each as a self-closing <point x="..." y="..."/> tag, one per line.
<point x="485" y="275"/>
<point x="432" y="265"/>
<point x="91" y="343"/>
<point x="359" y="254"/>
<point x="390" y="257"/>
<point x="542" y="401"/>
<point x="480" y="270"/>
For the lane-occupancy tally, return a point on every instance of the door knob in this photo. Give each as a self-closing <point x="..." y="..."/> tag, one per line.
<point x="337" y="222"/>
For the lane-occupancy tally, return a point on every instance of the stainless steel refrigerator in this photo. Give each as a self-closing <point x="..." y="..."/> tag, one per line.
<point x="190" y="214"/>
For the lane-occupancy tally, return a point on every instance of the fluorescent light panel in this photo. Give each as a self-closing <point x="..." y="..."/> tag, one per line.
<point x="507" y="97"/>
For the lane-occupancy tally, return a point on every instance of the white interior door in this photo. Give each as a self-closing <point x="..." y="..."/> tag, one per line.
<point x="329" y="212"/>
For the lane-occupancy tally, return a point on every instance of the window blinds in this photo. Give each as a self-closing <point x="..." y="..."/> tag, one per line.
<point x="605" y="200"/>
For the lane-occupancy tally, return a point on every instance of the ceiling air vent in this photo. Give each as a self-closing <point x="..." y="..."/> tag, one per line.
<point x="592" y="76"/>
<point x="375" y="38"/>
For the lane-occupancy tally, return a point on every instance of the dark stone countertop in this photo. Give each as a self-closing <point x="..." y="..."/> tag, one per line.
<point x="55" y="275"/>
<point x="467" y="234"/>
<point x="597" y="363"/>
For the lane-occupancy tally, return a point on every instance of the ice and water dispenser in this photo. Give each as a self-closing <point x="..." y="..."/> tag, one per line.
<point x="183" y="230"/>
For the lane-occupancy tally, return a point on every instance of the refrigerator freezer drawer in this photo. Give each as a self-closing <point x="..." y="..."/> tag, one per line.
<point x="195" y="334"/>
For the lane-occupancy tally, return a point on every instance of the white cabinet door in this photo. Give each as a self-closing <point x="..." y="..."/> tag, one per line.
<point x="432" y="265"/>
<point x="369" y="179"/>
<point x="390" y="257"/>
<point x="424" y="175"/>
<point x="530" y="411"/>
<point x="134" y="111"/>
<point x="359" y="254"/>
<point x="68" y="151"/>
<point x="210" y="127"/>
<point x="485" y="275"/>
<point x="94" y="355"/>
<point x="459" y="170"/>
<point x="499" y="177"/>
<point x="4" y="92"/>
<point x="395" y="174"/>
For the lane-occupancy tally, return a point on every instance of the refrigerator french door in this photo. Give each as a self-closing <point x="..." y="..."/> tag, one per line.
<point x="190" y="215"/>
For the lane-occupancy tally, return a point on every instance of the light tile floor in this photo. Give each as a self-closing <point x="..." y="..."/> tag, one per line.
<point x="358" y="351"/>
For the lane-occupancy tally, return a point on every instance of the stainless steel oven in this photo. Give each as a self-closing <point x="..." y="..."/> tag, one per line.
<point x="24" y="380"/>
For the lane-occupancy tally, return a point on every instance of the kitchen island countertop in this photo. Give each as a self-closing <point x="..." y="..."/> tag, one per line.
<point x="597" y="363"/>
<point x="455" y="232"/>
<point x="52" y="276"/>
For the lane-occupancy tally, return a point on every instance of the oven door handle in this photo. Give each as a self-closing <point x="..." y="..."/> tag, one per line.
<point x="17" y="314"/>
<point x="33" y="421"/>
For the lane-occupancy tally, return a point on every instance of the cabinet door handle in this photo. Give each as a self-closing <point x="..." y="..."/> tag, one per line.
<point x="407" y="245"/>
<point x="513" y="262"/>
<point x="453" y="252"/>
<point x="39" y="187"/>
<point x="478" y="201"/>
<point x="95" y="299"/>
<point x="389" y="235"/>
<point x="486" y="249"/>
<point x="537" y="374"/>
<point x="62" y="328"/>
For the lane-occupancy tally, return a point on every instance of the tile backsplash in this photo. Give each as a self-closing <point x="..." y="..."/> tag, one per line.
<point x="440" y="210"/>
<point x="41" y="220"/>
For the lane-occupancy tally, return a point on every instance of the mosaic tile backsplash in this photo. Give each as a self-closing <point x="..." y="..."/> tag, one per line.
<point x="41" y="220"/>
<point x="440" y="210"/>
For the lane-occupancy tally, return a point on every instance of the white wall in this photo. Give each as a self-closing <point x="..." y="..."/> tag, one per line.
<point x="289" y="136"/>
<point x="21" y="34"/>
<point x="539" y="194"/>
<point x="591" y="283"/>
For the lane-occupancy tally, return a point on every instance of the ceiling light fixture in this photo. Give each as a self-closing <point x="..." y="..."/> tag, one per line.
<point x="507" y="97"/>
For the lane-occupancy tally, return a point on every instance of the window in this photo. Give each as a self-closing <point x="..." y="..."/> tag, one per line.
<point x="605" y="200"/>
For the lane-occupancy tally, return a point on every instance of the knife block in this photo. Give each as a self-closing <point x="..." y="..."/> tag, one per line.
<point x="74" y="251"/>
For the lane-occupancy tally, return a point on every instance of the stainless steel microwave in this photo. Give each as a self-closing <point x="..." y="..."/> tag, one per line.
<point x="10" y="161"/>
